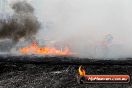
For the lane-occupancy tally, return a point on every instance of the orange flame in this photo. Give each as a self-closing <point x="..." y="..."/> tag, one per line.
<point x="35" y="49"/>
<point x="81" y="71"/>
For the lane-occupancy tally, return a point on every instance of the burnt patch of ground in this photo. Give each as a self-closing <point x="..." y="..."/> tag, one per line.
<point x="19" y="75"/>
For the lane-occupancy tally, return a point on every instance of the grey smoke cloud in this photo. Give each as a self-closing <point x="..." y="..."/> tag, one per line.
<point x="22" y="24"/>
<point x="23" y="7"/>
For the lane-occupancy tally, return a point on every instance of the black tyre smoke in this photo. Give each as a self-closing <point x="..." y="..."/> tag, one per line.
<point x="22" y="24"/>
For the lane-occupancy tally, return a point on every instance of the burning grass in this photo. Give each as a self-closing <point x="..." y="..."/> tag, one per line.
<point x="34" y="48"/>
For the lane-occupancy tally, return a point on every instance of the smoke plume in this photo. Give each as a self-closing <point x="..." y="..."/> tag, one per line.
<point x="22" y="24"/>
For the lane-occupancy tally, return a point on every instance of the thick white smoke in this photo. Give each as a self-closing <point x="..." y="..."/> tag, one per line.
<point x="84" y="25"/>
